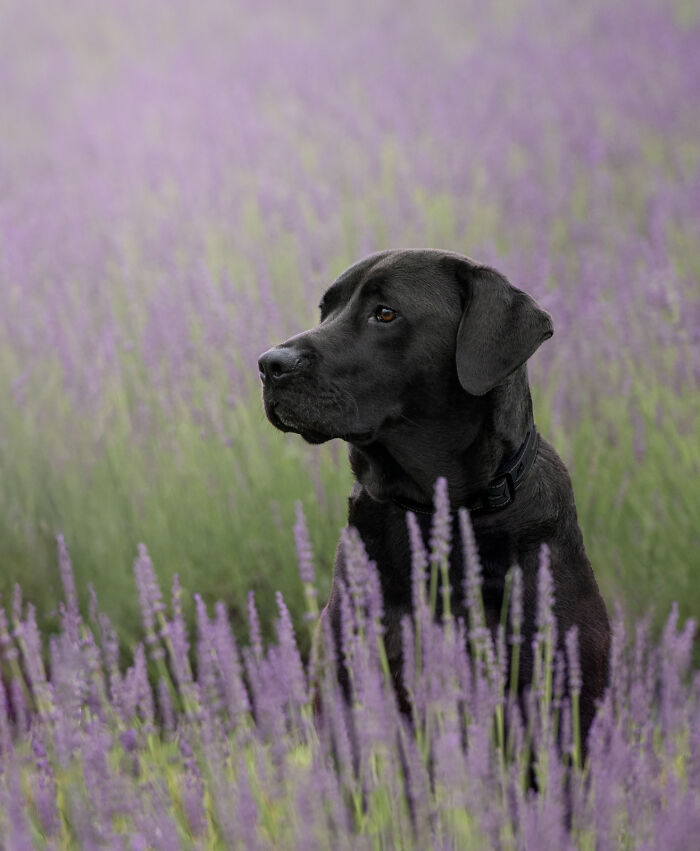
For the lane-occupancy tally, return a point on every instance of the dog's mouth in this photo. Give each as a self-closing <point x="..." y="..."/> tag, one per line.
<point x="286" y="419"/>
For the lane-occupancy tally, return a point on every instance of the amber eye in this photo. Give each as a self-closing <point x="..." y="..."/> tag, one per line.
<point x="384" y="314"/>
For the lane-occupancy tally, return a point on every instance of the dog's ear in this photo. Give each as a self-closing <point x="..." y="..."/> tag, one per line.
<point x="501" y="327"/>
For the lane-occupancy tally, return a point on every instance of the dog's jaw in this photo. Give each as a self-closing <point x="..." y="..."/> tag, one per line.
<point x="490" y="429"/>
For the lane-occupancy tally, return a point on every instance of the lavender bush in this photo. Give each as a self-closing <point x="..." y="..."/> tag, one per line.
<point x="251" y="748"/>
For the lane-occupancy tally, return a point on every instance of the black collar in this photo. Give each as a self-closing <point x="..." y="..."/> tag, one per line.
<point x="501" y="490"/>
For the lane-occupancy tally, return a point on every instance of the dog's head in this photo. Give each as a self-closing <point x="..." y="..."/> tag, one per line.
<point x="401" y="332"/>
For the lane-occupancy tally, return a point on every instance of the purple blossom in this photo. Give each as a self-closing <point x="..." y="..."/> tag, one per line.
<point x="544" y="619"/>
<point x="441" y="533"/>
<point x="479" y="635"/>
<point x="177" y="641"/>
<point x="193" y="792"/>
<point x="419" y="562"/>
<point x="290" y="665"/>
<point x="357" y="567"/>
<point x="142" y="693"/>
<point x="150" y="597"/>
<point x="45" y="790"/>
<point x="165" y="705"/>
<point x="17" y="830"/>
<point x="246" y="809"/>
<point x="129" y="740"/>
<point x="516" y="604"/>
<point x="572" y="655"/>
<point x="72" y="612"/>
<point x="154" y="821"/>
<point x="256" y="643"/>
<point x="303" y="544"/>
<point x="208" y="679"/>
<point x="9" y="651"/>
<point x="228" y="659"/>
<point x="33" y="661"/>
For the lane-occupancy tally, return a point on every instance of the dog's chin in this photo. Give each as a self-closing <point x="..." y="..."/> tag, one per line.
<point x="315" y="437"/>
<point x="287" y="421"/>
<point x="360" y="439"/>
<point x="363" y="438"/>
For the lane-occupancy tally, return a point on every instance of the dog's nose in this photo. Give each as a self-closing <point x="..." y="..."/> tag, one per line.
<point x="277" y="362"/>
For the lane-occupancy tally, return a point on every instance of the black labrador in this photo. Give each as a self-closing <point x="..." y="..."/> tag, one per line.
<point x="419" y="363"/>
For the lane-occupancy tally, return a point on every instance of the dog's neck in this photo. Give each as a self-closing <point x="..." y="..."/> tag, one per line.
<point x="486" y="431"/>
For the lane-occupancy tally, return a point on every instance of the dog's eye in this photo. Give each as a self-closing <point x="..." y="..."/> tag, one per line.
<point x="384" y="314"/>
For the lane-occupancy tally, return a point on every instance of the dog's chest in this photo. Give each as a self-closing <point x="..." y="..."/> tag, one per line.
<point x="384" y="530"/>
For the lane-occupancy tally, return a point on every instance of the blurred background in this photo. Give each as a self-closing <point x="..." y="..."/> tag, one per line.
<point x="180" y="182"/>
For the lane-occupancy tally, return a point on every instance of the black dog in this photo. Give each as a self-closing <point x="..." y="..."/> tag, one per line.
<point x="419" y="364"/>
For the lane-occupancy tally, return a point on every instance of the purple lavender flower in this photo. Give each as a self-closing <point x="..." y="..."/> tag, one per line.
<point x="291" y="667"/>
<point x="153" y="819"/>
<point x="544" y="618"/>
<point x="303" y="545"/>
<point x="255" y="633"/>
<point x="165" y="706"/>
<point x="480" y="637"/>
<point x="419" y="561"/>
<point x="408" y="654"/>
<point x="246" y="809"/>
<point x="356" y="571"/>
<point x="142" y="688"/>
<point x="572" y="655"/>
<point x="177" y="641"/>
<point x="150" y="598"/>
<point x="193" y="793"/>
<point x="441" y="532"/>
<point x="5" y="738"/>
<point x="72" y="613"/>
<point x="129" y="740"/>
<point x="17" y="831"/>
<point x="9" y="651"/>
<point x="472" y="570"/>
<point x="349" y="627"/>
<point x="45" y="790"/>
<point x="516" y="604"/>
<point x="227" y="654"/>
<point x="34" y="663"/>
<point x="208" y="673"/>
<point x="106" y="792"/>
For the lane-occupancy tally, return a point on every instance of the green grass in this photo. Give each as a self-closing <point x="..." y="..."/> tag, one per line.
<point x="638" y="512"/>
<point x="219" y="516"/>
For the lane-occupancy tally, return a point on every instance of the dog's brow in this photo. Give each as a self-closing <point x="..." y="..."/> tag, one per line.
<point x="373" y="287"/>
<point x="328" y="301"/>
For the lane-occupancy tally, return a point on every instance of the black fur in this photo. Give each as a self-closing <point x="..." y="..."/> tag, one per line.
<point x="439" y="390"/>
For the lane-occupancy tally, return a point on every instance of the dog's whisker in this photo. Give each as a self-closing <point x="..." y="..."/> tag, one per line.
<point x="409" y="420"/>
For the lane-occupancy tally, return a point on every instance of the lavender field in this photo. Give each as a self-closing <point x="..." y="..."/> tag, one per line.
<point x="259" y="750"/>
<point x="178" y="185"/>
